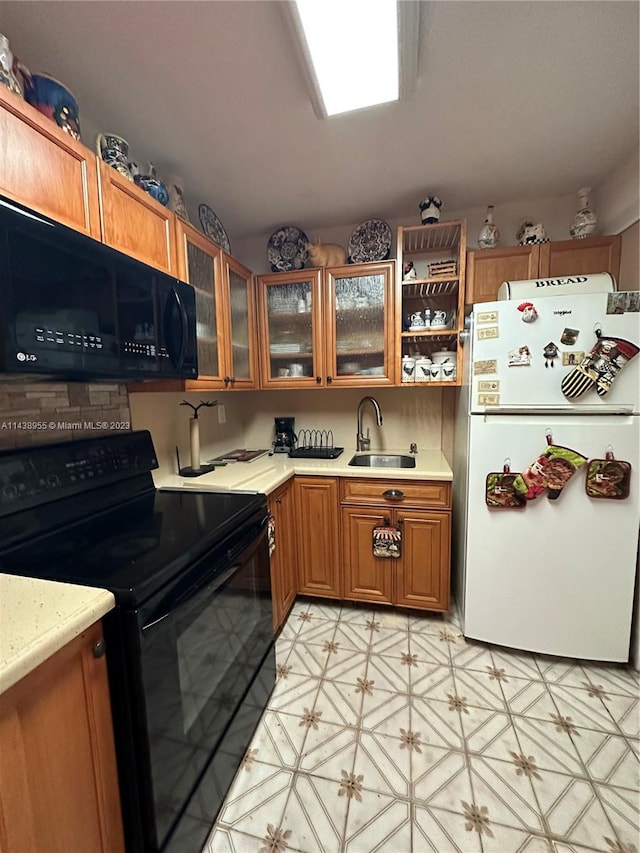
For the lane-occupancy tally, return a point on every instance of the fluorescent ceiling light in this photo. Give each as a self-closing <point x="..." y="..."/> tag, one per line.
<point x="353" y="47"/>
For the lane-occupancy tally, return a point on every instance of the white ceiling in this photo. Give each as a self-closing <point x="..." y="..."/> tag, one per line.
<point x="515" y="100"/>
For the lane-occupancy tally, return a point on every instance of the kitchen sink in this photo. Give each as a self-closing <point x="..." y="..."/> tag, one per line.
<point x="383" y="460"/>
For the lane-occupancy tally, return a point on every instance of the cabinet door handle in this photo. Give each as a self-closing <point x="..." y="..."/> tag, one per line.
<point x="329" y="379"/>
<point x="386" y="521"/>
<point x="99" y="649"/>
<point x="278" y="501"/>
<point x="318" y="379"/>
<point x="227" y="380"/>
<point x="393" y="495"/>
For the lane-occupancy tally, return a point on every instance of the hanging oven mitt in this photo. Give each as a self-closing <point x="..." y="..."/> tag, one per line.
<point x="552" y="470"/>
<point x="599" y="367"/>
<point x="608" y="478"/>
<point x="561" y="466"/>
<point x="500" y="491"/>
<point x="387" y="541"/>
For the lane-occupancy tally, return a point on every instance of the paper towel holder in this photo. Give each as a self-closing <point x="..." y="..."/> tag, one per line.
<point x="195" y="469"/>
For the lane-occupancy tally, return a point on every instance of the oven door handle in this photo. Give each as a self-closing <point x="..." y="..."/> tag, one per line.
<point x="219" y="581"/>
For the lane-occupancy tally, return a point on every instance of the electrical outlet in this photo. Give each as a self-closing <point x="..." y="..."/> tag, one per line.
<point x="222" y="415"/>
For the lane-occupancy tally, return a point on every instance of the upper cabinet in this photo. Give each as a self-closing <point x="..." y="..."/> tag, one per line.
<point x="581" y="257"/>
<point x="331" y="327"/>
<point x="134" y="223"/>
<point x="225" y="311"/>
<point x="430" y="295"/>
<point x="44" y="168"/>
<point x="488" y="268"/>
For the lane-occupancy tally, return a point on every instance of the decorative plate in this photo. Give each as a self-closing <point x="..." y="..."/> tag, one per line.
<point x="287" y="249"/>
<point x="370" y="241"/>
<point x="213" y="228"/>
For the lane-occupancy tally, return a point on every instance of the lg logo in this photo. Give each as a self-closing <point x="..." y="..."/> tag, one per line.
<point x="25" y="356"/>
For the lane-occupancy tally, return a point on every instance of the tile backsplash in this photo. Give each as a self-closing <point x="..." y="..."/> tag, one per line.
<point x="39" y="412"/>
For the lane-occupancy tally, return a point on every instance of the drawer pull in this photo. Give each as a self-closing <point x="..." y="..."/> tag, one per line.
<point x="99" y="649"/>
<point x="393" y="495"/>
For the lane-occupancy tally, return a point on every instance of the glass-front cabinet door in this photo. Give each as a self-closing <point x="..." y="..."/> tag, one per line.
<point x="240" y="335"/>
<point x="290" y="316"/>
<point x="360" y="325"/>
<point x="199" y="264"/>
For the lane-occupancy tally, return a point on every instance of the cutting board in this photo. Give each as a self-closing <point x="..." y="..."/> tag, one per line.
<point x="239" y="455"/>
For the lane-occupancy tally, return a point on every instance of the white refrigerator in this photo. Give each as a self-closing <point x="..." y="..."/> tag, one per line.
<point x="554" y="576"/>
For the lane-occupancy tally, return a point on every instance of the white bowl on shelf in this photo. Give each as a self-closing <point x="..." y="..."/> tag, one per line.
<point x="443" y="355"/>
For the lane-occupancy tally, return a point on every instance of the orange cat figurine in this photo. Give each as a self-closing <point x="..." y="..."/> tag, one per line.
<point x="326" y="254"/>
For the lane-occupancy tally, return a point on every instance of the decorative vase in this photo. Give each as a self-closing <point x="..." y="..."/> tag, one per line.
<point x="53" y="100"/>
<point x="8" y="77"/>
<point x="176" y="198"/>
<point x="150" y="183"/>
<point x="585" y="221"/>
<point x="489" y="236"/>
<point x="114" y="150"/>
<point x="430" y="209"/>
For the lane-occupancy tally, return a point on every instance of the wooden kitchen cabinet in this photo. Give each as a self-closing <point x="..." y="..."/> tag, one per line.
<point x="284" y="577"/>
<point x="365" y="577"/>
<point x="225" y="316"/>
<point x="225" y="312"/>
<point x="438" y="254"/>
<point x="44" y="168"/>
<point x="134" y="223"/>
<point x="488" y="268"/>
<point x="58" y="778"/>
<point x="331" y="327"/>
<point x="422" y="573"/>
<point x="318" y="536"/>
<point x="419" y="578"/>
<point x="581" y="257"/>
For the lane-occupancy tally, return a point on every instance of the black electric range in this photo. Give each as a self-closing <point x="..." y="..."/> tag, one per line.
<point x="191" y="629"/>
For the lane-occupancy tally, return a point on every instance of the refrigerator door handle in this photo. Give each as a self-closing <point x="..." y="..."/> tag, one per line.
<point x="559" y="410"/>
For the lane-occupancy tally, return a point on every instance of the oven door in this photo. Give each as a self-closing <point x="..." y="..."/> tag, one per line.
<point x="201" y="643"/>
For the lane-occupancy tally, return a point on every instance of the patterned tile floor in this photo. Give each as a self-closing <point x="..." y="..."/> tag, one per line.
<point x="390" y="732"/>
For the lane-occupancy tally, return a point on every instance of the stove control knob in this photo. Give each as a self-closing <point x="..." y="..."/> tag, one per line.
<point x="53" y="480"/>
<point x="9" y="491"/>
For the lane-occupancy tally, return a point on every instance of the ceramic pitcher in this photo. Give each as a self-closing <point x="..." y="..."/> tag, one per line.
<point x="114" y="150"/>
<point x="8" y="77"/>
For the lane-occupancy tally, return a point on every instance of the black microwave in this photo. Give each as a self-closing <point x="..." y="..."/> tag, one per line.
<point x="72" y="307"/>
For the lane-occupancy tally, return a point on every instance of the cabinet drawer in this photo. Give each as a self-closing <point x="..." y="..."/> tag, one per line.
<point x="369" y="492"/>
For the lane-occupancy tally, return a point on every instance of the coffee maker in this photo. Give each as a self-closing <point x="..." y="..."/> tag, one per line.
<point x="285" y="435"/>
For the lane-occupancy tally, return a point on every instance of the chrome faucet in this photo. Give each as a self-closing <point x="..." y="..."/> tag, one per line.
<point x="364" y="442"/>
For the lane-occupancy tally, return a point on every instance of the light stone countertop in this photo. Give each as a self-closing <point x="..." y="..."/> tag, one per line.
<point x="266" y="473"/>
<point x="38" y="617"/>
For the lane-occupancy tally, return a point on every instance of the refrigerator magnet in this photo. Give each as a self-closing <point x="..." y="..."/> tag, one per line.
<point x="569" y="337"/>
<point x="529" y="313"/>
<point x="608" y="478"/>
<point x="488" y="399"/>
<point x="487" y="365"/>
<point x="572" y="357"/>
<point x="489" y="385"/>
<point x="520" y="357"/>
<point x="489" y="332"/>
<point x="550" y="353"/>
<point x="487" y="317"/>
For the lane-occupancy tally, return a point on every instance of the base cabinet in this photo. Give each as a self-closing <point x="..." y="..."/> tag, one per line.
<point x="318" y="531"/>
<point x="366" y="578"/>
<point x="422" y="573"/>
<point x="419" y="578"/>
<point x="58" y="778"/>
<point x="284" y="580"/>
